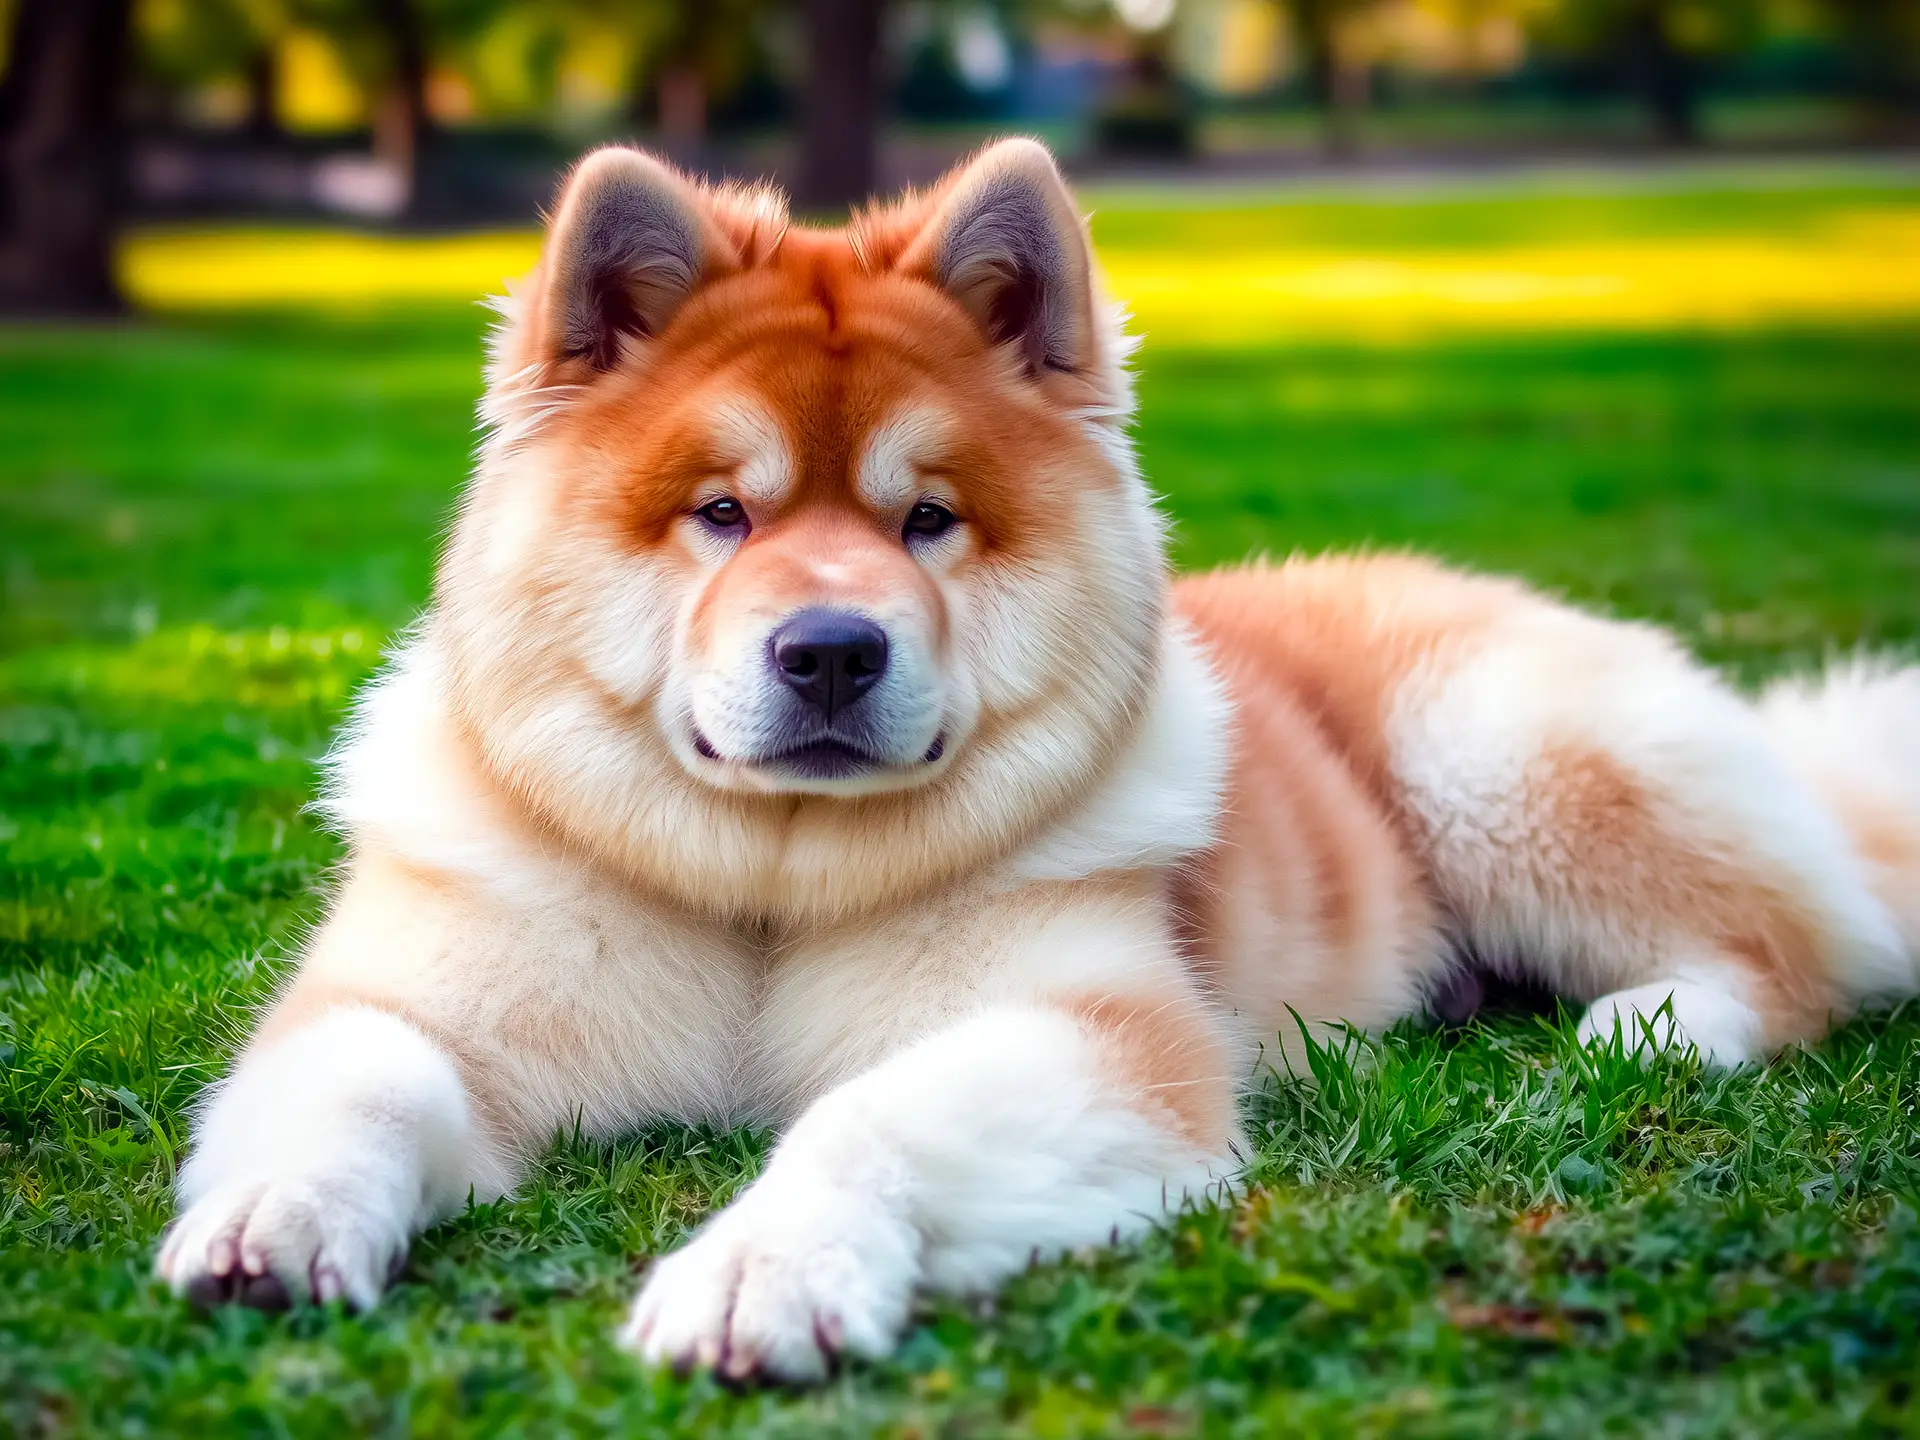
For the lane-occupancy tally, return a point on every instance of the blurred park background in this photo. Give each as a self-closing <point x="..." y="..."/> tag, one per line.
<point x="454" y="113"/>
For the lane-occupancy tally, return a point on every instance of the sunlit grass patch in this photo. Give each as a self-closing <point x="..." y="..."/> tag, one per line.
<point x="238" y="267"/>
<point x="1865" y="266"/>
<point x="273" y="669"/>
<point x="1256" y="271"/>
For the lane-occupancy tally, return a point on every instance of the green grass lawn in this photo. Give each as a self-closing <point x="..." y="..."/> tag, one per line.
<point x="208" y="529"/>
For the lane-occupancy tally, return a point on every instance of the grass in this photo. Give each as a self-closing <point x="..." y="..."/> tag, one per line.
<point x="1722" y="244"/>
<point x="209" y="525"/>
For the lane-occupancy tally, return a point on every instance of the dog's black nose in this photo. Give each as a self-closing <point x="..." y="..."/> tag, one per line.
<point x="830" y="657"/>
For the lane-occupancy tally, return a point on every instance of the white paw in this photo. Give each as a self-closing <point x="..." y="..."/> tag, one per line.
<point x="271" y="1243"/>
<point x="777" y="1285"/>
<point x="1709" y="1017"/>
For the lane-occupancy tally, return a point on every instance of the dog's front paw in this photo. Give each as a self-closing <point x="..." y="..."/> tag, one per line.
<point x="271" y="1243"/>
<point x="777" y="1285"/>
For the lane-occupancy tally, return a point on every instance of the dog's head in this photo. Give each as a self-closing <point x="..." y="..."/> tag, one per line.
<point x="793" y="550"/>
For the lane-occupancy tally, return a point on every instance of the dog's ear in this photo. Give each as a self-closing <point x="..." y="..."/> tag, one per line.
<point x="629" y="242"/>
<point x="1005" y="240"/>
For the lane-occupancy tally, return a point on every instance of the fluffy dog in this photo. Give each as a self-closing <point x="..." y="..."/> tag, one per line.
<point x="806" y="731"/>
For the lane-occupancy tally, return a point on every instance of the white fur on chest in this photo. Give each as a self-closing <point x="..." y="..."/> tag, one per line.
<point x="840" y="1001"/>
<point x="1160" y="800"/>
<point x="678" y="1016"/>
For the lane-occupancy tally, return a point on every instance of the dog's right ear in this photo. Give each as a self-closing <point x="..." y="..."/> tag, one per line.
<point x="629" y="242"/>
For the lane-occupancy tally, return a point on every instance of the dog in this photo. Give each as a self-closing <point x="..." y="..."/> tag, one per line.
<point x="806" y="731"/>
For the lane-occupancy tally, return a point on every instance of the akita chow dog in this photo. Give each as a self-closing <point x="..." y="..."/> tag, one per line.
<point x="806" y="730"/>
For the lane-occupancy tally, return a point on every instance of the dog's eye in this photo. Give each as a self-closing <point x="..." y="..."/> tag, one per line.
<point x="725" y="513"/>
<point x="928" y="520"/>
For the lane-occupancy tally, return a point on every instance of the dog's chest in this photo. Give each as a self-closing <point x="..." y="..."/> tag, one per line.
<point x="833" y="1002"/>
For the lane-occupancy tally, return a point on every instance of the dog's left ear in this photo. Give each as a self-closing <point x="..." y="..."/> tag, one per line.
<point x="1006" y="242"/>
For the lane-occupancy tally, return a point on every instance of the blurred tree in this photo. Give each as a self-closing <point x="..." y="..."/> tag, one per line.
<point x="840" y="103"/>
<point x="402" y="124"/>
<point x="1147" y="114"/>
<point x="957" y="59"/>
<point x="389" y="45"/>
<point x="384" y="44"/>
<point x="690" y="56"/>
<point x="1336" y="78"/>
<point x="693" y="51"/>
<point x="1489" y="34"/>
<point x="263" y="89"/>
<point x="188" y="43"/>
<point x="61" y="149"/>
<point x="1882" y="39"/>
<point x="1661" y="48"/>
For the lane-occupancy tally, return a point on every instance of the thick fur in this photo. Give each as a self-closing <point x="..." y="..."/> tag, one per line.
<point x="1000" y="975"/>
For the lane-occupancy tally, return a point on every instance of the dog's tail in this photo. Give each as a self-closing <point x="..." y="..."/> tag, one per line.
<point x="1854" y="734"/>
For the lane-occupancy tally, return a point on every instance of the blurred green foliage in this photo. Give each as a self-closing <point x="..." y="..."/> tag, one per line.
<point x="515" y="55"/>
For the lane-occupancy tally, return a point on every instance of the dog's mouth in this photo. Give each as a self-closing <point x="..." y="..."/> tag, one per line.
<point x="826" y="757"/>
<point x="823" y="759"/>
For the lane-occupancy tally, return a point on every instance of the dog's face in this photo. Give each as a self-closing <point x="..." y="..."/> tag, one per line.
<point x="823" y="587"/>
<point x="831" y="519"/>
<point x="806" y="513"/>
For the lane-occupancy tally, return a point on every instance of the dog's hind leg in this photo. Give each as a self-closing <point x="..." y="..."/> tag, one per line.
<point x="1716" y="1007"/>
<point x="1603" y="815"/>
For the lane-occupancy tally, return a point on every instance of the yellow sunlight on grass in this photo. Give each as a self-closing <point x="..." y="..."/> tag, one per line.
<point x="251" y="267"/>
<point x="1861" y="264"/>
<point x="1866" y="266"/>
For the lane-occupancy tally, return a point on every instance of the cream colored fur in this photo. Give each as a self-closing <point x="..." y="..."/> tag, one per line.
<point x="1000" y="1004"/>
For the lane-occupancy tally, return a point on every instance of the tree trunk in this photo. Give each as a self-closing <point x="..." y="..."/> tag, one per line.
<point x="1882" y="39"/>
<point x="402" y="129"/>
<point x="840" y="106"/>
<point x="60" y="156"/>
<point x="1330" y="81"/>
<point x="263" y="94"/>
<point x="683" y="112"/>
<point x="1313" y="30"/>
<point x="1666" y="76"/>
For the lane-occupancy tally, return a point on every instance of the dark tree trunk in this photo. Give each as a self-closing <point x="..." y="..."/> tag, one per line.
<point x="263" y="94"/>
<point x="682" y="92"/>
<point x="840" y="106"/>
<point x="1666" y="77"/>
<point x="403" y="129"/>
<point x="1882" y="38"/>
<point x="60" y="156"/>
<point x="1330" y="85"/>
<point x="1313" y="30"/>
